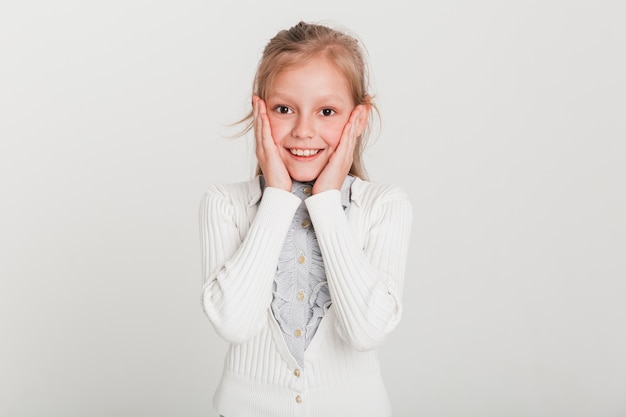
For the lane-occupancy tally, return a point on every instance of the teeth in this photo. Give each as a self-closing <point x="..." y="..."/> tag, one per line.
<point x="304" y="152"/>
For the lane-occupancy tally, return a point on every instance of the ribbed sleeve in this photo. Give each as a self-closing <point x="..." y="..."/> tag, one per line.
<point x="239" y="259"/>
<point x="365" y="281"/>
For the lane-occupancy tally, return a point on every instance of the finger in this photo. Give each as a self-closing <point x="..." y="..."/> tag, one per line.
<point x="349" y="136"/>
<point x="266" y="131"/>
<point x="258" y="126"/>
<point x="352" y="126"/>
<point x="260" y="112"/>
<point x="258" y="117"/>
<point x="255" y="108"/>
<point x="343" y="149"/>
<point x="358" y="118"/>
<point x="363" y="118"/>
<point x="354" y="115"/>
<point x="262" y="106"/>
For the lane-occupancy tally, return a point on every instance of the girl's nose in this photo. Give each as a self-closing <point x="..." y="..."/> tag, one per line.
<point x="303" y="128"/>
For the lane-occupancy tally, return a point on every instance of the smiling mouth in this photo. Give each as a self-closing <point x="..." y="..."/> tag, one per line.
<point x="304" y="152"/>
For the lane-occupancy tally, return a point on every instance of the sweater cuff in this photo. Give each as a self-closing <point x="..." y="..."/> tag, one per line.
<point x="271" y="223"/>
<point x="323" y="206"/>
<point x="278" y="203"/>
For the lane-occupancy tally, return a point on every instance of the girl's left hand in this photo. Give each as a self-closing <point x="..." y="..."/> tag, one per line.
<point x="340" y="162"/>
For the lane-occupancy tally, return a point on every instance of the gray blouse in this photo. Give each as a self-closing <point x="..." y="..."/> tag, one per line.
<point x="301" y="296"/>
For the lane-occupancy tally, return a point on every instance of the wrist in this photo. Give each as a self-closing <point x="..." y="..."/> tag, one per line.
<point x="321" y="186"/>
<point x="284" y="184"/>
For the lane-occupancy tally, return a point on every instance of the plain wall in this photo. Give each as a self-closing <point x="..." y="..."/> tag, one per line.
<point x="504" y="121"/>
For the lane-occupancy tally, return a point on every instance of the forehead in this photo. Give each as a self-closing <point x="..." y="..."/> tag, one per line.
<point x="317" y="76"/>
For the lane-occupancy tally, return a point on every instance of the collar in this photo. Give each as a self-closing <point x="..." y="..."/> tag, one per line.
<point x="349" y="193"/>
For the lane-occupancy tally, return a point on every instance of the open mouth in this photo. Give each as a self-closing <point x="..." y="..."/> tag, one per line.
<point x="304" y="152"/>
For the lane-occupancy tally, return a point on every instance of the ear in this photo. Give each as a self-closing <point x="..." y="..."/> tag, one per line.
<point x="363" y="117"/>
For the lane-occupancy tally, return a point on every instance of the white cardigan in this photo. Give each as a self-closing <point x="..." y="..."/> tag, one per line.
<point x="364" y="256"/>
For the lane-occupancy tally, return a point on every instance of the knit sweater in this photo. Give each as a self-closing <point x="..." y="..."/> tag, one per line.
<point x="364" y="256"/>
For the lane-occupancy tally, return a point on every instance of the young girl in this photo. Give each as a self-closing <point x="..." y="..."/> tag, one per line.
<point x="303" y="265"/>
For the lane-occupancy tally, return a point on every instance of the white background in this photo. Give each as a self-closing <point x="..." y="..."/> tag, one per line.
<point x="504" y="121"/>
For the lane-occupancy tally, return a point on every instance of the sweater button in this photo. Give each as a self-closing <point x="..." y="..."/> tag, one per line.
<point x="301" y="259"/>
<point x="298" y="399"/>
<point x="296" y="372"/>
<point x="300" y="295"/>
<point x="297" y="333"/>
<point x="305" y="223"/>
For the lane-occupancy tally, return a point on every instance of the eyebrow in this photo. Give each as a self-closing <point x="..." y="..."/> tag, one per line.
<point x="287" y="97"/>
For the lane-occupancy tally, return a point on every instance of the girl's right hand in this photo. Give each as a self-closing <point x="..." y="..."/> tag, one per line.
<point x="267" y="153"/>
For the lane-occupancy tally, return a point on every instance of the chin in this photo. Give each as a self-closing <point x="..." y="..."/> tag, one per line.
<point x="303" y="177"/>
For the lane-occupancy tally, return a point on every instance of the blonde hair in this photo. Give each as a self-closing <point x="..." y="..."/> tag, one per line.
<point x="300" y="44"/>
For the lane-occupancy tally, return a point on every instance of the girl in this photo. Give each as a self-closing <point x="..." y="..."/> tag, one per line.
<point x="303" y="265"/>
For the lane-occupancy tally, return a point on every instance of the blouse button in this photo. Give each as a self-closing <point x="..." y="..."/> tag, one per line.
<point x="296" y="372"/>
<point x="298" y="399"/>
<point x="307" y="190"/>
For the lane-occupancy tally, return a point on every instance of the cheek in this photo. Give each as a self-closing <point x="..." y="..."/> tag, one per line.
<point x="332" y="134"/>
<point x="279" y="128"/>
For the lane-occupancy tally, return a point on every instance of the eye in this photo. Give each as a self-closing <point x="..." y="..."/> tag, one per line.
<point x="327" y="112"/>
<point x="283" y="109"/>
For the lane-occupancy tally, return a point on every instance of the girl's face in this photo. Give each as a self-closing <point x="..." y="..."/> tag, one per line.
<point x="308" y="107"/>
